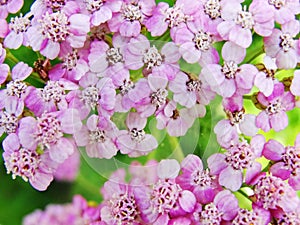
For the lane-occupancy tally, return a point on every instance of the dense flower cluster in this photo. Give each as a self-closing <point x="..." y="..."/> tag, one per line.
<point x="158" y="194"/>
<point x="102" y="58"/>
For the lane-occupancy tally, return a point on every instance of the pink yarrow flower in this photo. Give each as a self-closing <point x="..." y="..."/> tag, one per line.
<point x="230" y="78"/>
<point x="275" y="108"/>
<point x="281" y="45"/>
<point x="238" y="22"/>
<point x="98" y="137"/>
<point x="28" y="163"/>
<point x="132" y="15"/>
<point x="198" y="180"/>
<point x="223" y="208"/>
<point x="230" y="166"/>
<point x="165" y="17"/>
<point x="140" y="53"/>
<point x="135" y="141"/>
<point x="159" y="207"/>
<point x="55" y="31"/>
<point x="17" y="33"/>
<point x="46" y="133"/>
<point x="287" y="163"/>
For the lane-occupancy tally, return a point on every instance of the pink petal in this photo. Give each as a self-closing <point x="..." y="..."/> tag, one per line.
<point x="273" y="150"/>
<point x="41" y="181"/>
<point x="191" y="163"/>
<point x="187" y="201"/>
<point x="233" y="52"/>
<point x="168" y="169"/>
<point x="241" y="36"/>
<point x="21" y="71"/>
<point x="231" y="178"/>
<point x="51" y="50"/>
<point x="60" y="151"/>
<point x="216" y="163"/>
<point x="280" y="170"/>
<point x="101" y="16"/>
<point x="130" y="29"/>
<point x="70" y="121"/>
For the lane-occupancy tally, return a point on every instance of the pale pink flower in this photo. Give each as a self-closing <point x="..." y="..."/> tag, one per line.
<point x="98" y="137"/>
<point x="136" y="141"/>
<point x="10" y="6"/>
<point x="28" y="163"/>
<point x="55" y="31"/>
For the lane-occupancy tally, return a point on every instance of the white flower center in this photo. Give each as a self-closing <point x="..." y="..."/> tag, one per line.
<point x="246" y="217"/>
<point x="152" y="58"/>
<point x="229" y="69"/>
<point x="97" y="136"/>
<point x="159" y="97"/>
<point x="70" y="61"/>
<point x="16" y="88"/>
<point x="274" y="107"/>
<point x="90" y="96"/>
<point x="212" y="8"/>
<point x="175" y="16"/>
<point x="93" y="5"/>
<point x="203" y="40"/>
<point x="131" y="12"/>
<point x="291" y="158"/>
<point x="19" y="24"/>
<point x="137" y="135"/>
<point x="245" y="19"/>
<point x="9" y="122"/>
<point x="126" y="86"/>
<point x="55" y="26"/>
<point x="114" y="56"/>
<point x="286" y="42"/>
<point x="235" y="117"/>
<point x="53" y="91"/>
<point x="193" y="85"/>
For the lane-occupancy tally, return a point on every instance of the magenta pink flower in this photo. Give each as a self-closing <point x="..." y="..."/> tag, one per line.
<point x="281" y="45"/>
<point x="274" y="194"/>
<point x="3" y="28"/>
<point x="46" y="133"/>
<point x="258" y="216"/>
<point x="10" y="6"/>
<point x="165" y="17"/>
<point x="239" y="22"/>
<point x="98" y="137"/>
<point x="157" y="206"/>
<point x="223" y="208"/>
<point x="287" y="163"/>
<point x="132" y="15"/>
<point x="54" y="31"/>
<point x="230" y="78"/>
<point x="17" y="33"/>
<point x="240" y="156"/>
<point x="120" y="205"/>
<point x="28" y="163"/>
<point x="136" y="141"/>
<point x="276" y="105"/>
<point x="199" y="181"/>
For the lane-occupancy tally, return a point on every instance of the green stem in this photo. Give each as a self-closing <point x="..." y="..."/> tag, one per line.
<point x="11" y="57"/>
<point x="244" y="194"/>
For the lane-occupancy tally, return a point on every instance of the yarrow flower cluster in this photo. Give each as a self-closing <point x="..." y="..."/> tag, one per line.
<point x="155" y="66"/>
